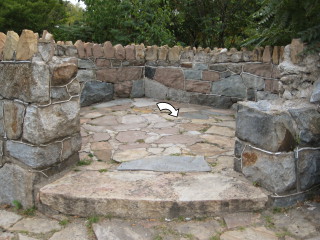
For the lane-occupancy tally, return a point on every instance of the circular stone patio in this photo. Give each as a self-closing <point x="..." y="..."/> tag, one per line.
<point x="125" y="130"/>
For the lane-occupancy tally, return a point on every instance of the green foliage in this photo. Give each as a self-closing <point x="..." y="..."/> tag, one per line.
<point x="130" y="21"/>
<point x="64" y="222"/>
<point x="30" y="14"/>
<point x="279" y="21"/>
<point x="29" y="211"/>
<point x="17" y="204"/>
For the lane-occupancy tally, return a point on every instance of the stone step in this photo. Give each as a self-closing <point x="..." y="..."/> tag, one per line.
<point x="146" y="194"/>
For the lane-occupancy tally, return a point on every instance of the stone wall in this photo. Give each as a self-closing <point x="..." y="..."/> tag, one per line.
<point x="39" y="115"/>
<point x="218" y="77"/>
<point x="278" y="141"/>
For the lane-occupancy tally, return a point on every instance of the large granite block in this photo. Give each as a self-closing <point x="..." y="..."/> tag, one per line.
<point x="13" y="119"/>
<point x="95" y="91"/>
<point x="232" y="86"/>
<point x="34" y="156"/>
<point x="170" y="77"/>
<point x="276" y="173"/>
<point x="155" y="89"/>
<point x="57" y="121"/>
<point x="309" y="168"/>
<point x="267" y="125"/>
<point x="25" y="81"/>
<point x="16" y="183"/>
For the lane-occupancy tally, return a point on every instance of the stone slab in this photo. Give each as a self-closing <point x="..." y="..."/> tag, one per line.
<point x="7" y="219"/>
<point x="36" y="225"/>
<point x="119" y="230"/>
<point x="72" y="232"/>
<point x="260" y="233"/>
<point x="150" y="194"/>
<point x="168" y="164"/>
<point x="234" y="220"/>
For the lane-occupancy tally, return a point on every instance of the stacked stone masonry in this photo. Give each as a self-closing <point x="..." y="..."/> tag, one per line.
<point x="42" y="83"/>
<point x="39" y="115"/>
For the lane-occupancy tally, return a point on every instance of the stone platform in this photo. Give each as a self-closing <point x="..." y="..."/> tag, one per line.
<point x="130" y="129"/>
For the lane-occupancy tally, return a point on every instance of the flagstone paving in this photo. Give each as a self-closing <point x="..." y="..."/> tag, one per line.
<point x="129" y="129"/>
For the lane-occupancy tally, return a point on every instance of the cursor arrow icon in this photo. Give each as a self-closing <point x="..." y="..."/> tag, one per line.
<point x="167" y="106"/>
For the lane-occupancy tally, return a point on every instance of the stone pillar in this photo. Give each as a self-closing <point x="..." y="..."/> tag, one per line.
<point x="39" y="119"/>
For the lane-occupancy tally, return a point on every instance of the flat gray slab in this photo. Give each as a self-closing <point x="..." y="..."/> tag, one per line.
<point x="7" y="219"/>
<point x="167" y="164"/>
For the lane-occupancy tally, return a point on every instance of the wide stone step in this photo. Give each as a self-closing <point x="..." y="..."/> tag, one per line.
<point x="146" y="194"/>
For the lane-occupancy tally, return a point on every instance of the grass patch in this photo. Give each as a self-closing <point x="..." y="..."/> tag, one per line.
<point x="93" y="219"/>
<point x="158" y="237"/>
<point x="215" y="237"/>
<point x="276" y="210"/>
<point x="84" y="162"/>
<point x="140" y="141"/>
<point x="64" y="222"/>
<point x="256" y="184"/>
<point x="17" y="204"/>
<point x="103" y="170"/>
<point x="175" y="154"/>
<point x="29" y="211"/>
<point x="283" y="234"/>
<point x="269" y="221"/>
<point x="90" y="155"/>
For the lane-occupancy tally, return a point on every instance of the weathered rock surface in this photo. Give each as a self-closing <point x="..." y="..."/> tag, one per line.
<point x="7" y="219"/>
<point x="16" y="183"/>
<point x="170" y="77"/>
<point x="251" y="233"/>
<point x="308" y="123"/>
<point x="3" y="38"/>
<point x="34" y="156"/>
<point x="167" y="164"/>
<point x="26" y="82"/>
<point x="137" y="90"/>
<point x="150" y="194"/>
<point x="273" y="172"/>
<point x="72" y="232"/>
<point x="13" y="119"/>
<point x="266" y="126"/>
<point x="95" y="91"/>
<point x="36" y="225"/>
<point x="315" y="97"/>
<point x="62" y="74"/>
<point x="27" y="45"/>
<point x="232" y="86"/>
<point x="309" y="168"/>
<point x="43" y="125"/>
<point x="10" y="45"/>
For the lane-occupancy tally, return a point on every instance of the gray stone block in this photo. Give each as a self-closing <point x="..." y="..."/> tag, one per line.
<point x="252" y="81"/>
<point x="2" y="132"/>
<point x="315" y="97"/>
<point x="179" y="95"/>
<point x="13" y="119"/>
<point x="34" y="156"/>
<point x="218" y="67"/>
<point x="59" y="94"/>
<point x="1" y="153"/>
<point x="155" y="90"/>
<point x="137" y="89"/>
<point x="211" y="100"/>
<point x="308" y="123"/>
<point x="25" y="81"/>
<point x="86" y="75"/>
<point x="276" y="173"/>
<point x="200" y="66"/>
<point x="16" y="183"/>
<point x="95" y="92"/>
<point x="257" y="124"/>
<point x="167" y="164"/>
<point x="71" y="146"/>
<point x="150" y="72"/>
<point x="232" y="86"/>
<point x="44" y="125"/>
<point x="192" y="74"/>
<point x="309" y="168"/>
<point x="86" y="64"/>
<point x="261" y="95"/>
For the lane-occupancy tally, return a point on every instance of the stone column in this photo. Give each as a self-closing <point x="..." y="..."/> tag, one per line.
<point x="39" y="118"/>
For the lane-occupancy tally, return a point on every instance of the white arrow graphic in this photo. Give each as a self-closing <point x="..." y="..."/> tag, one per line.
<point x="168" y="106"/>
